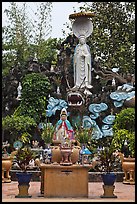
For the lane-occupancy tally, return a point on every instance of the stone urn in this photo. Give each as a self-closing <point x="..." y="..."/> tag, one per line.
<point x="75" y="156"/>
<point x="66" y="152"/>
<point x="56" y="154"/>
<point x="128" y="166"/>
<point x="6" y="166"/>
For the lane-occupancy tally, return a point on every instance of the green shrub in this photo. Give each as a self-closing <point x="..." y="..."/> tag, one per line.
<point x="124" y="130"/>
<point x="18" y="127"/>
<point x="125" y="120"/>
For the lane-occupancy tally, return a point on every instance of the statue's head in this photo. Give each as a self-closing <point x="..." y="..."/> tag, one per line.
<point x="63" y="114"/>
<point x="82" y="39"/>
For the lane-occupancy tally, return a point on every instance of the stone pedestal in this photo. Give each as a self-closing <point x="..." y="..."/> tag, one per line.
<point x="23" y="191"/>
<point x="108" y="192"/>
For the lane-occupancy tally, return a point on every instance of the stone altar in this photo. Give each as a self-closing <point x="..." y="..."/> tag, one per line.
<point x="65" y="181"/>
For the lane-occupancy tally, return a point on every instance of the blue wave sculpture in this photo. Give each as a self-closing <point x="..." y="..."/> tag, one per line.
<point x="96" y="108"/>
<point x="54" y="105"/>
<point x="105" y="127"/>
<point x="118" y="104"/>
<point x="97" y="133"/>
<point x="118" y="96"/>
<point x="123" y="93"/>
<point x="109" y="119"/>
<point x="107" y="132"/>
<point x="87" y="122"/>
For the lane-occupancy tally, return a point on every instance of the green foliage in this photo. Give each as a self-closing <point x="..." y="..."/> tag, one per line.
<point x="18" y="127"/>
<point x="18" y="34"/>
<point x="47" y="133"/>
<point x="42" y="26"/>
<point x="23" y="156"/>
<point x="125" y="120"/>
<point x="21" y="39"/>
<point x="83" y="135"/>
<point x="111" y="39"/>
<point x="22" y="31"/>
<point x="25" y="137"/>
<point x="108" y="160"/>
<point x="46" y="51"/>
<point x="36" y="88"/>
<point x="122" y="135"/>
<point x="124" y="130"/>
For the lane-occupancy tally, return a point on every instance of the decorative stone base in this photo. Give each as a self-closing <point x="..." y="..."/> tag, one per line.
<point x="6" y="180"/>
<point x="23" y="191"/>
<point x="108" y="192"/>
<point x="129" y="182"/>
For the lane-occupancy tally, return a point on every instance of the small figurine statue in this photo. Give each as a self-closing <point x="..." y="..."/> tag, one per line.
<point x="64" y="130"/>
<point x="19" y="91"/>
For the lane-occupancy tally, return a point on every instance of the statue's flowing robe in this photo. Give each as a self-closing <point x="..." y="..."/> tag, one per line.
<point x="63" y="129"/>
<point x="82" y="66"/>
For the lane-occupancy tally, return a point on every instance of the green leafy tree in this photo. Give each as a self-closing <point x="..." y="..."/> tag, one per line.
<point x="21" y="39"/>
<point x="22" y="32"/>
<point x="113" y="36"/>
<point x="42" y="27"/>
<point x="46" y="51"/>
<point x="17" y="35"/>
<point x="36" y="88"/>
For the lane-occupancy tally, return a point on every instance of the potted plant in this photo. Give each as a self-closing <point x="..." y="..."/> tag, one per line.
<point x="23" y="156"/>
<point x="108" y="162"/>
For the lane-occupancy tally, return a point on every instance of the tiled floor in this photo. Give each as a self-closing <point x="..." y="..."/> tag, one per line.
<point x="124" y="192"/>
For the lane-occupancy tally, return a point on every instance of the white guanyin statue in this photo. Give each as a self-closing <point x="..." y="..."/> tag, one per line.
<point x="82" y="64"/>
<point x="82" y="28"/>
<point x="19" y="88"/>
